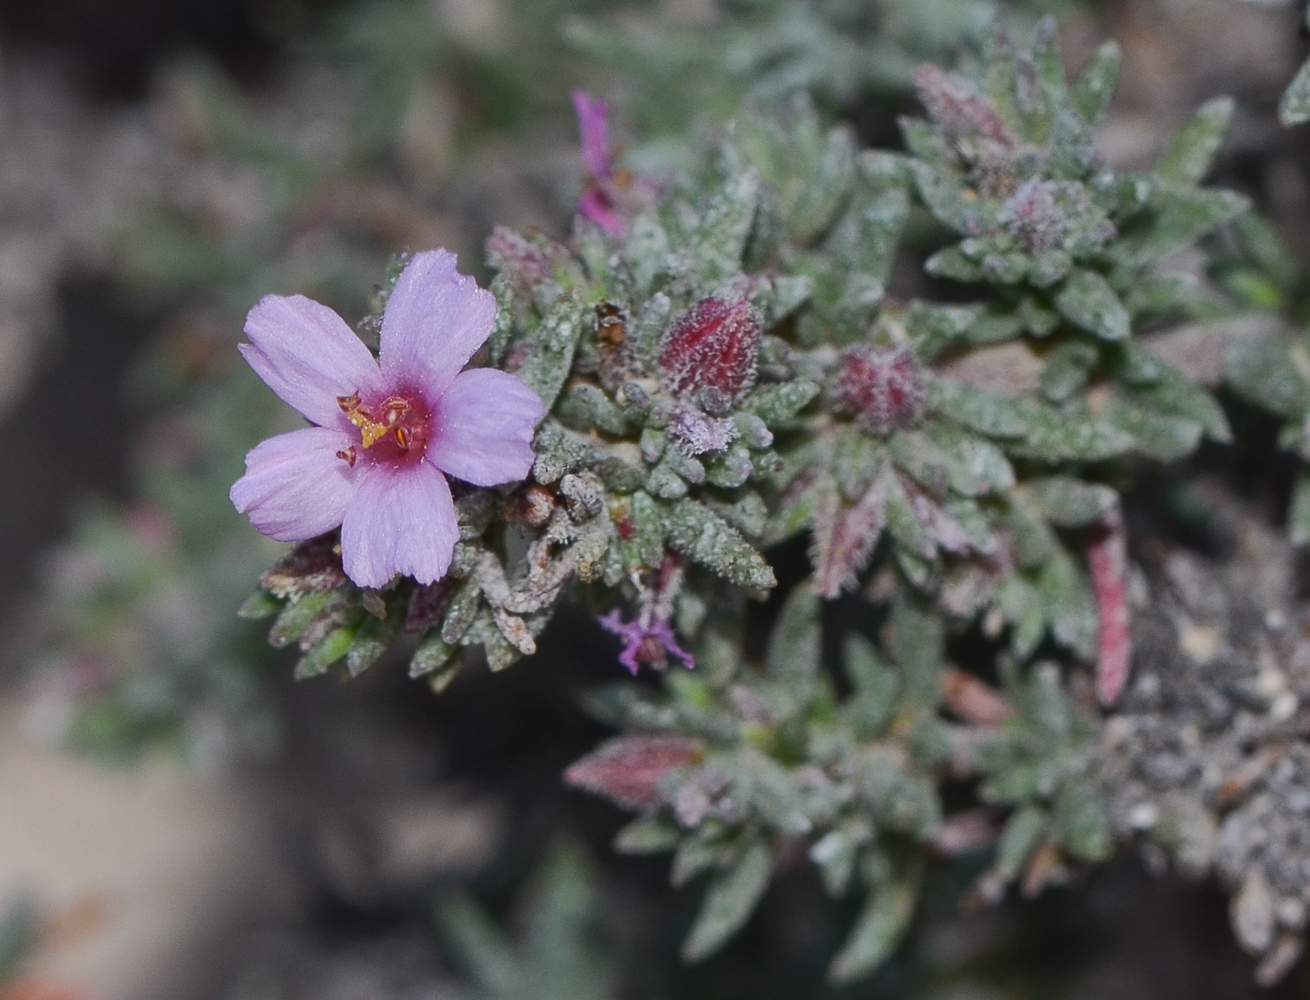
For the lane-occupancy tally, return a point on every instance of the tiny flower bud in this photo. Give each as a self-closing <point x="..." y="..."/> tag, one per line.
<point x="714" y="345"/>
<point x="883" y="386"/>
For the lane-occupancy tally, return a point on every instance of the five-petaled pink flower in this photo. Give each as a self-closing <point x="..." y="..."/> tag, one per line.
<point x="388" y="430"/>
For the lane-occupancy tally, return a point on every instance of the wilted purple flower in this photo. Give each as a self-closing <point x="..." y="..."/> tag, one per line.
<point x="649" y="637"/>
<point x="388" y="430"/>
<point x="649" y="643"/>
<point x="613" y="194"/>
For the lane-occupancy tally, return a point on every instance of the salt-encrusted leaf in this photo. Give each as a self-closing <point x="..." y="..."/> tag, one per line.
<point x="1068" y="603"/>
<point x="953" y="264"/>
<point x="553" y="343"/>
<point x="1294" y="107"/>
<point x="1055" y="435"/>
<point x="585" y="406"/>
<point x="976" y="466"/>
<point x="879" y="929"/>
<point x="1180" y="217"/>
<point x="836" y="854"/>
<point x="648" y="835"/>
<point x="876" y="688"/>
<point x="1298" y="514"/>
<point x="918" y="638"/>
<point x="933" y="328"/>
<point x="646" y="250"/>
<point x="1094" y="89"/>
<point x="1023" y="832"/>
<point x="1087" y="300"/>
<point x="432" y="654"/>
<point x="976" y="408"/>
<point x="370" y="642"/>
<point x="824" y="187"/>
<point x="702" y="536"/>
<point x="462" y="611"/>
<point x="1158" y="435"/>
<point x="260" y="604"/>
<point x="945" y="197"/>
<point x="1173" y="393"/>
<point x="321" y="656"/>
<point x="772" y="792"/>
<point x="919" y="457"/>
<point x="731" y="899"/>
<point x="776" y="403"/>
<point x="718" y="242"/>
<point x="1272" y="372"/>
<point x="910" y="533"/>
<point x="1190" y="155"/>
<point x="844" y="537"/>
<point x="795" y="646"/>
<point x="1068" y="367"/>
<point x="1079" y="824"/>
<point x="559" y="451"/>
<point x="296" y="616"/>
<point x="1070" y="502"/>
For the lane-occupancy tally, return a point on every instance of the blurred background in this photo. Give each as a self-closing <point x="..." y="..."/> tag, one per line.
<point x="178" y="819"/>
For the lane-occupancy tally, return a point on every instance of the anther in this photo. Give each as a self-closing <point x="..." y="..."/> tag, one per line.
<point x="402" y="438"/>
<point x="348" y="456"/>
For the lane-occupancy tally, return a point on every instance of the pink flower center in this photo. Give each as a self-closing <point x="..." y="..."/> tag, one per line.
<point x="394" y="431"/>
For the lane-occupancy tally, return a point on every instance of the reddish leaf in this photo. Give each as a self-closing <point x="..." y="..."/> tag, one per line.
<point x="1108" y="560"/>
<point x="627" y="770"/>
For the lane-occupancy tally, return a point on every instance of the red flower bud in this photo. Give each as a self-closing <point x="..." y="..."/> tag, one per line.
<point x="713" y="346"/>
<point x="883" y="386"/>
<point x="627" y="769"/>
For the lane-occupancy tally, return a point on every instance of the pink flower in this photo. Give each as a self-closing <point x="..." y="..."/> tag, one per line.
<point x="388" y="431"/>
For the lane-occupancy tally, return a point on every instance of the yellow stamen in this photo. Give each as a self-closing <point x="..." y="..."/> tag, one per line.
<point x="370" y="431"/>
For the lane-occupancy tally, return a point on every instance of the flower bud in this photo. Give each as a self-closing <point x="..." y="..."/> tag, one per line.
<point x="713" y="346"/>
<point x="882" y="386"/>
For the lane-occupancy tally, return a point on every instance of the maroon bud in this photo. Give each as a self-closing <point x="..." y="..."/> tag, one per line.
<point x="711" y="349"/>
<point x="627" y="770"/>
<point x="883" y="386"/>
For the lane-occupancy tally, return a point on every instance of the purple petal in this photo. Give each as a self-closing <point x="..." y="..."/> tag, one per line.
<point x="485" y="424"/>
<point x="309" y="356"/>
<point x="594" y="206"/>
<point x="593" y="123"/>
<point x="435" y="319"/>
<point x="295" y="486"/>
<point x="402" y="520"/>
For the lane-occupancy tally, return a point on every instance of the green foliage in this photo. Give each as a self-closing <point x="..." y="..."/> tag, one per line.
<point x="555" y="955"/>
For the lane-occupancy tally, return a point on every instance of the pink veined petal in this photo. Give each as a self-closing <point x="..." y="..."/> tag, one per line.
<point x="593" y="124"/>
<point x="309" y="356"/>
<point x="295" y="486"/>
<point x="434" y="320"/>
<point x="402" y="520"/>
<point x="484" y="428"/>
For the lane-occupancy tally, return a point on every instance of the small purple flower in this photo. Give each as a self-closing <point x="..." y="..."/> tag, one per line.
<point x="388" y="431"/>
<point x="613" y="194"/>
<point x="649" y="637"/>
<point x="650" y="643"/>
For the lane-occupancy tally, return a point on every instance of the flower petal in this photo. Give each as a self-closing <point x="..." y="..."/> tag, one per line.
<point x="435" y="319"/>
<point x="309" y="356"/>
<point x="485" y="423"/>
<point x="295" y="486"/>
<point x="402" y="520"/>
<point x="593" y="125"/>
